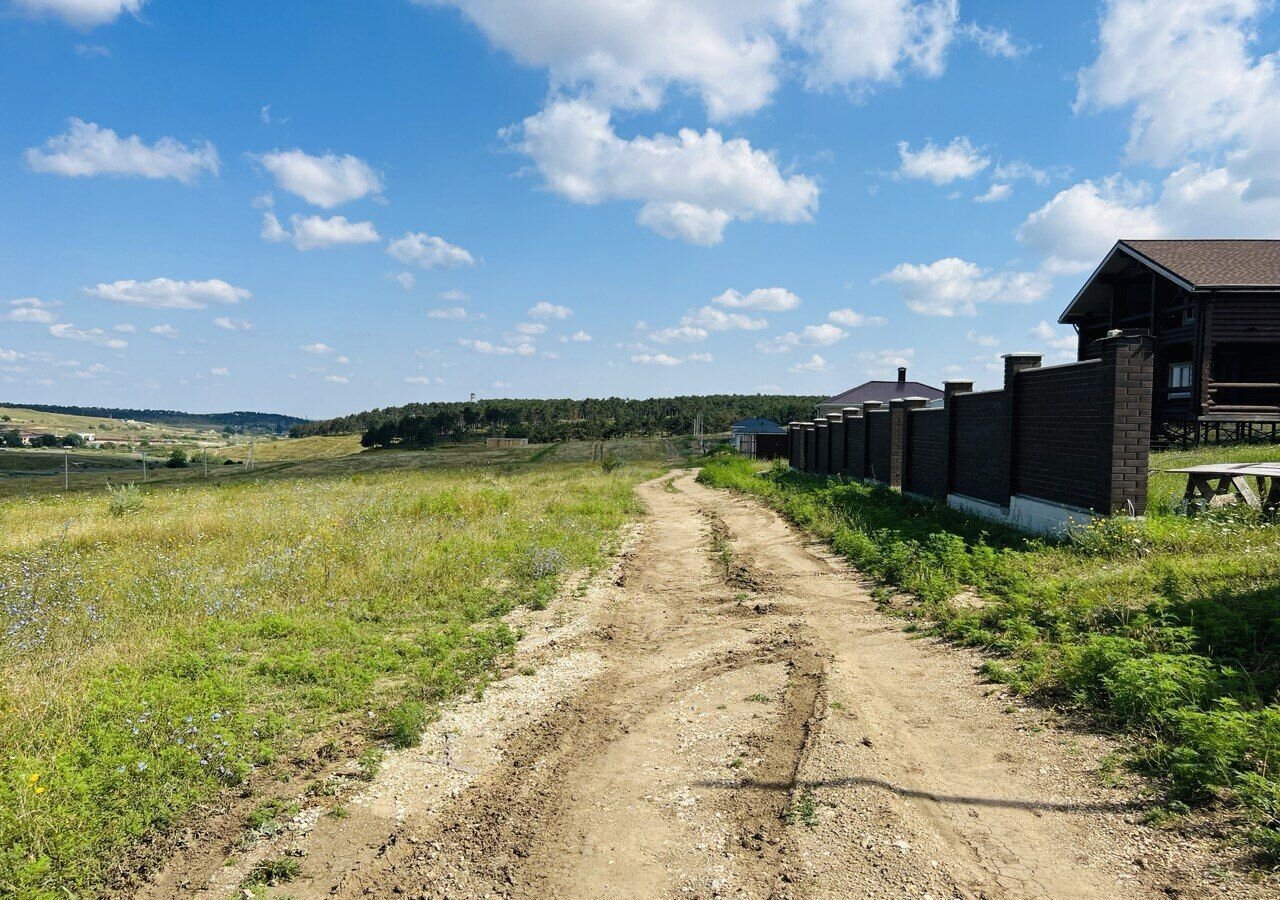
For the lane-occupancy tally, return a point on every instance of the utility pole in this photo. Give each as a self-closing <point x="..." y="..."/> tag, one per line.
<point x="205" y="454"/>
<point x="697" y="432"/>
<point x="66" y="470"/>
<point x="144" y="466"/>
<point x="249" y="465"/>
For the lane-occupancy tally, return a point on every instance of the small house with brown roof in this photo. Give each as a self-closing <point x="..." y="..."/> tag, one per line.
<point x="1213" y="307"/>
<point x="879" y="391"/>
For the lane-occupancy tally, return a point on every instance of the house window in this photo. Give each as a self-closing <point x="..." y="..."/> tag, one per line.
<point x="1180" y="376"/>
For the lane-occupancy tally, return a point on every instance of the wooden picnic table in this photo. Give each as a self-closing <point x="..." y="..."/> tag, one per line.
<point x="1217" y="484"/>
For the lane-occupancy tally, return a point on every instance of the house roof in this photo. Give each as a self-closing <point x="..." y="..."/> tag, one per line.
<point x="758" y="426"/>
<point x="882" y="391"/>
<point x="1215" y="264"/>
<point x="1195" y="265"/>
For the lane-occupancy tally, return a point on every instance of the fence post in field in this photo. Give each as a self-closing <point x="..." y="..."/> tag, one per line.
<point x="852" y="441"/>
<point x="900" y="437"/>
<point x="1013" y="364"/>
<point x="1129" y="366"/>
<point x="949" y="391"/>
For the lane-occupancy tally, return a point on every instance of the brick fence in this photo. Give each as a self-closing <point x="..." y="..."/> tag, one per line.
<point x="1055" y="445"/>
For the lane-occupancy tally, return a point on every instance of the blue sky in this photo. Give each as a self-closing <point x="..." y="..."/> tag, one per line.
<point x="318" y="207"/>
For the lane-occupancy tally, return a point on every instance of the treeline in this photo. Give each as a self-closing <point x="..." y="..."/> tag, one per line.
<point x="275" y="423"/>
<point x="541" y="421"/>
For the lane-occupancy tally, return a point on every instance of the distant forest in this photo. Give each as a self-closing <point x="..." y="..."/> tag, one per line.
<point x="236" y="421"/>
<point x="541" y="421"/>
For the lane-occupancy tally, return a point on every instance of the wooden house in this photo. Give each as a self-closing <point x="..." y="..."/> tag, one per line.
<point x="1213" y="307"/>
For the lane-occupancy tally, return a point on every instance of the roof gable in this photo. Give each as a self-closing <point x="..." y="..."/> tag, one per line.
<point x="883" y="392"/>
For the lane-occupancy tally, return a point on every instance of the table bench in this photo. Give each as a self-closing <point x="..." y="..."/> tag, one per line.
<point x="1219" y="484"/>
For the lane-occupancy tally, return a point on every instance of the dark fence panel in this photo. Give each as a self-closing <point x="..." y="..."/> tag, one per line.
<point x="879" y="445"/>
<point x="855" y="443"/>
<point x="1062" y="435"/>
<point x="822" y="452"/>
<point x="980" y="446"/>
<point x="836" y="430"/>
<point x="771" y="446"/>
<point x="927" y="452"/>
<point x="809" y="445"/>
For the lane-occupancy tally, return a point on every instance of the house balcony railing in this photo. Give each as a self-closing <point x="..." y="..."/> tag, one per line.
<point x="1243" y="399"/>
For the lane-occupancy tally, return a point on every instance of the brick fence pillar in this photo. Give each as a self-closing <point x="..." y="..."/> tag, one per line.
<point x="1129" y="364"/>
<point x="950" y="389"/>
<point x="900" y="439"/>
<point x="853" y="461"/>
<point x="1014" y="363"/>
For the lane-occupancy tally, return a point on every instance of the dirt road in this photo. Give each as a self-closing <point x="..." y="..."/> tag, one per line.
<point x="727" y="714"/>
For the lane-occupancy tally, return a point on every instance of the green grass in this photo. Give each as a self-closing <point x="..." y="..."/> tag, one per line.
<point x="1168" y="628"/>
<point x="158" y="651"/>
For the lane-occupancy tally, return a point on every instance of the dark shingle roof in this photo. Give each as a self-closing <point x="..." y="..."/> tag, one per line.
<point x="883" y="391"/>
<point x="1207" y="264"/>
<point x="758" y="426"/>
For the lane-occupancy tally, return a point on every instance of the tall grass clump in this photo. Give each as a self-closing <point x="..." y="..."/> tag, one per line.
<point x="1167" y="627"/>
<point x="148" y="661"/>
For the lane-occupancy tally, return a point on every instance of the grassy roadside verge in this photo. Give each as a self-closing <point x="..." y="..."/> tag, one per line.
<point x="1168" y="628"/>
<point x="157" y="646"/>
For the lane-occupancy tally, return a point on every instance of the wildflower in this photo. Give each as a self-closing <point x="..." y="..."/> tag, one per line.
<point x="33" y="778"/>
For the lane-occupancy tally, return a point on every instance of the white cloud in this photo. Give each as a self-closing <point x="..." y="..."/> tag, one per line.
<point x="164" y="331"/>
<point x="878" y="360"/>
<point x="994" y="194"/>
<point x="455" y="313"/>
<point x="691" y="185"/>
<point x="9" y="356"/>
<point x="453" y="295"/>
<point x="774" y="299"/>
<point x="681" y="333"/>
<point x="712" y="319"/>
<point x="69" y="332"/>
<point x="700" y="357"/>
<point x="406" y="280"/>
<point x="941" y="165"/>
<point x="1058" y="337"/>
<point x="954" y="287"/>
<point x="851" y="319"/>
<point x="166" y="293"/>
<point x="815" y="363"/>
<point x="656" y="359"/>
<point x="325" y="181"/>
<point x="1074" y="229"/>
<point x="490" y="349"/>
<point x="429" y="252"/>
<point x="228" y="324"/>
<point x="125" y="328"/>
<point x="81" y="13"/>
<point x="982" y="340"/>
<point x="423" y="379"/>
<point x="219" y="371"/>
<point x="1020" y="170"/>
<point x="996" y="42"/>
<point x="544" y="310"/>
<point x="529" y="328"/>
<point x="272" y="230"/>
<point x="86" y="149"/>
<point x="856" y="43"/>
<point x="316" y="232"/>
<point x="581" y="337"/>
<point x="316" y="349"/>
<point x="337" y="379"/>
<point x="823" y="335"/>
<point x="31" y="310"/>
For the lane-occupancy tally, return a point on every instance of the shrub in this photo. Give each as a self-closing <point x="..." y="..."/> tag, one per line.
<point x="609" y="463"/>
<point x="124" y="499"/>
<point x="403" y="724"/>
<point x="177" y="459"/>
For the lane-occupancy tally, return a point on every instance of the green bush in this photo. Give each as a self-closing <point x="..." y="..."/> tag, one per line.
<point x="124" y="499"/>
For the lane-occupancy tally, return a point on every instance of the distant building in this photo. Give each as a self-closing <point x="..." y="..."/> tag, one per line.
<point x="750" y="435"/>
<point x="879" y="391"/>
<point x="506" y="442"/>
